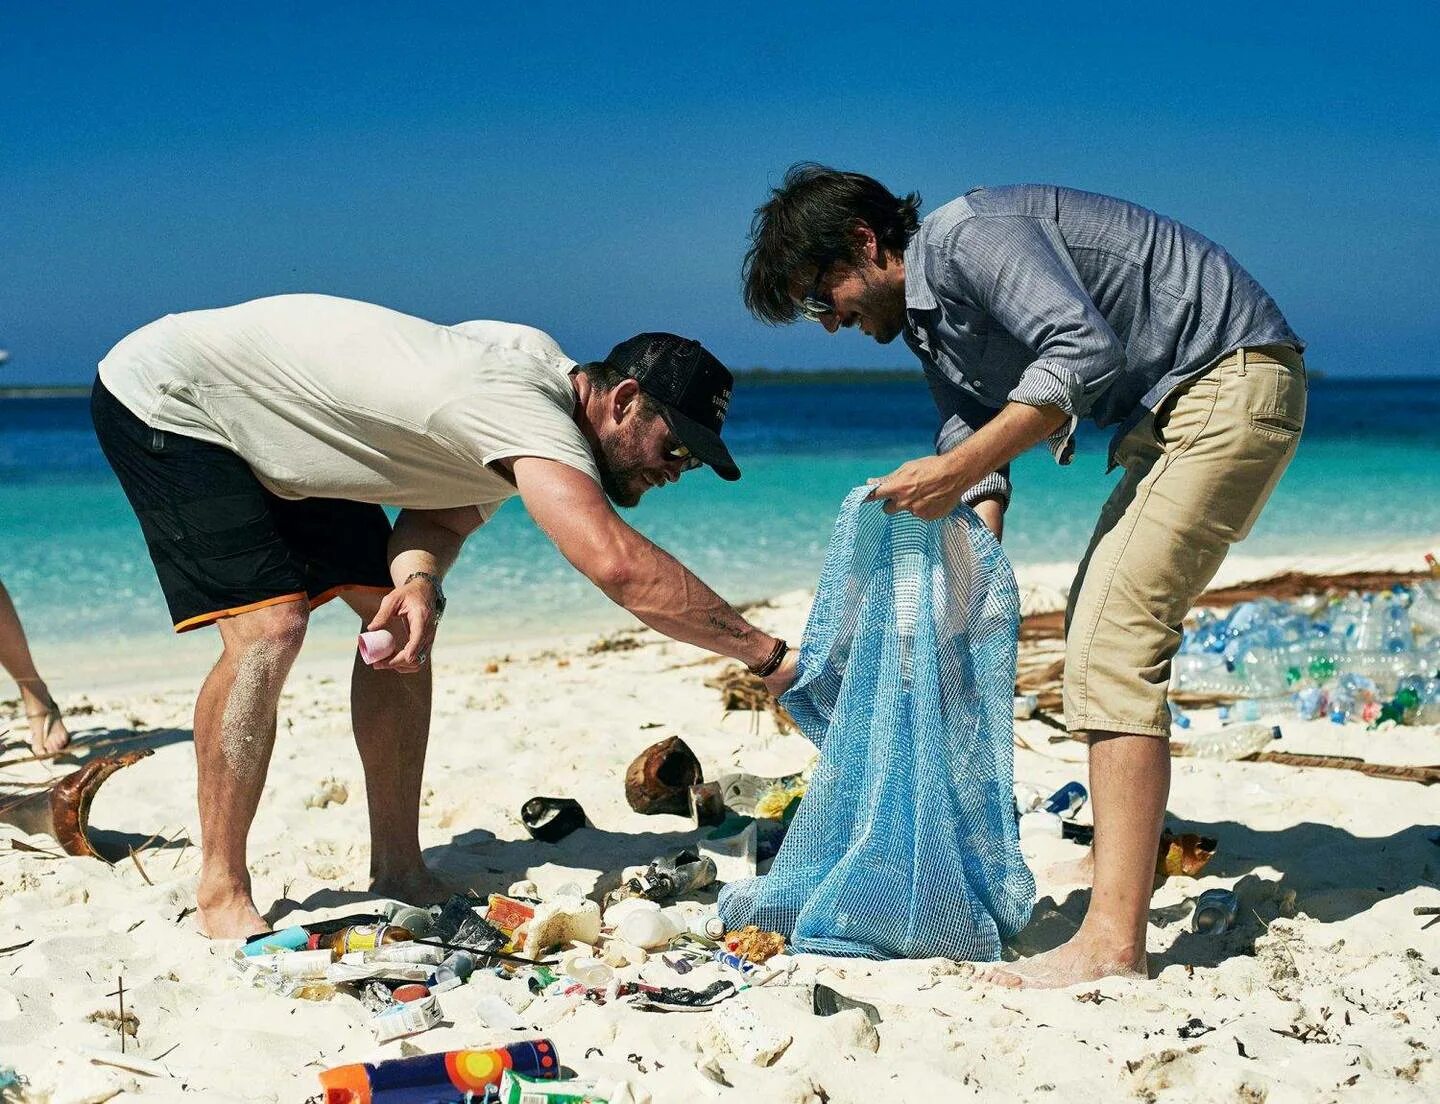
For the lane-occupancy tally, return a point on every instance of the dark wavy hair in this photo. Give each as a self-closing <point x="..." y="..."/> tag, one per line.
<point x="807" y="223"/>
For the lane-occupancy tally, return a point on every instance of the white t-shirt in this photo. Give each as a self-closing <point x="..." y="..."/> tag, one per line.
<point x="334" y="398"/>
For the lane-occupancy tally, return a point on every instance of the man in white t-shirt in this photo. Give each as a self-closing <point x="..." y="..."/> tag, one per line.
<point x="257" y="444"/>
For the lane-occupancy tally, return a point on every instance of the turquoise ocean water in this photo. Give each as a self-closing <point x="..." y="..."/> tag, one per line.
<point x="1368" y="470"/>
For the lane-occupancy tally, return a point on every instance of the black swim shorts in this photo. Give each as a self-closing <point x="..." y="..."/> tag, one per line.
<point x="221" y="543"/>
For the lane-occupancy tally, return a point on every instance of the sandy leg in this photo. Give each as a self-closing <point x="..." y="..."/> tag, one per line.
<point x="234" y="735"/>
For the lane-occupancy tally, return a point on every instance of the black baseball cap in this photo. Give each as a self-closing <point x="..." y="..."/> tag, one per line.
<point x="691" y="386"/>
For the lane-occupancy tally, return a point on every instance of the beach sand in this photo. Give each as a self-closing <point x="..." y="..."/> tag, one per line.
<point x="1327" y="989"/>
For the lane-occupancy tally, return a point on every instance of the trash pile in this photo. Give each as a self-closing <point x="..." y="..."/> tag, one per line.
<point x="1372" y="657"/>
<point x="520" y="961"/>
<point x="747" y="814"/>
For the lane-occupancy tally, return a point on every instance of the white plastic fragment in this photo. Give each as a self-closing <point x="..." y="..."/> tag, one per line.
<point x="747" y="1036"/>
<point x="562" y="920"/>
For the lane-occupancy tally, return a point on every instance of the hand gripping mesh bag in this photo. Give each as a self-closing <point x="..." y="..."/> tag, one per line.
<point x="906" y="843"/>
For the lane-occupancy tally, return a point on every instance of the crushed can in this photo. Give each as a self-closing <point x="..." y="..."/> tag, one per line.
<point x="1067" y="800"/>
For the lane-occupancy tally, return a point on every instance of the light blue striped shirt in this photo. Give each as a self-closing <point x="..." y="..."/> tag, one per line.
<point x="1055" y="297"/>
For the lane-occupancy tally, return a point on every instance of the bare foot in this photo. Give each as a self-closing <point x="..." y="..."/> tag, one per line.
<point x="47" y="729"/>
<point x="1073" y="963"/>
<point x="228" y="915"/>
<point x="414" y="887"/>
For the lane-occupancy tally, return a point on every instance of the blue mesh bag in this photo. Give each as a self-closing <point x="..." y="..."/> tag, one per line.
<point x="906" y="844"/>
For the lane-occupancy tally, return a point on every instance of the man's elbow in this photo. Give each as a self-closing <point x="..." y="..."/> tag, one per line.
<point x="612" y="574"/>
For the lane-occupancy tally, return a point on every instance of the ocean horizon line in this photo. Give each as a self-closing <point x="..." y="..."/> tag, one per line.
<point x="769" y="377"/>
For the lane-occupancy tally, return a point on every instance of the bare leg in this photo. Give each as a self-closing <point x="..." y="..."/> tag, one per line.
<point x="47" y="730"/>
<point x="1129" y="782"/>
<point x="234" y="735"/>
<point x="390" y="713"/>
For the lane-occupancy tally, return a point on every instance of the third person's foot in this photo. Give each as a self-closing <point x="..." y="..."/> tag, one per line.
<point x="1074" y="963"/>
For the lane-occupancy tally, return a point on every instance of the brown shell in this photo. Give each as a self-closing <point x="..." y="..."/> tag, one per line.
<point x="660" y="778"/>
<point x="70" y="800"/>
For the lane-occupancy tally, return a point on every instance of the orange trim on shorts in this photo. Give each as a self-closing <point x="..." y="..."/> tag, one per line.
<point x="206" y="618"/>
<point x="325" y="596"/>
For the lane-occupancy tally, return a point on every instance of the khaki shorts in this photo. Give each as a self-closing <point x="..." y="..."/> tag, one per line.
<point x="1197" y="473"/>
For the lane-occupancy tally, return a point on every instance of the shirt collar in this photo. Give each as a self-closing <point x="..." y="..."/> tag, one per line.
<point x="918" y="294"/>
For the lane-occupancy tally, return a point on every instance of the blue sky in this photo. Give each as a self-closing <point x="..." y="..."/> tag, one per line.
<point x="592" y="170"/>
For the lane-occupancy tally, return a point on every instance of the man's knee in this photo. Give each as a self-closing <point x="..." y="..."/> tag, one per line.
<point x="269" y="634"/>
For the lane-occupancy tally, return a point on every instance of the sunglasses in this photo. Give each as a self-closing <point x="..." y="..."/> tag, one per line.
<point x="814" y="305"/>
<point x="689" y="461"/>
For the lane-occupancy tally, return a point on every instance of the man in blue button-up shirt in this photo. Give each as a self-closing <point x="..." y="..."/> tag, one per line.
<point x="1031" y="307"/>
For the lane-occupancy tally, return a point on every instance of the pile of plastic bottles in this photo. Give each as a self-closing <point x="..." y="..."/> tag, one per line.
<point x="1363" y="657"/>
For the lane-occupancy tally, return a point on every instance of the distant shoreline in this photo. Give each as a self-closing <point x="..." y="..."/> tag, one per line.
<point x="768" y="377"/>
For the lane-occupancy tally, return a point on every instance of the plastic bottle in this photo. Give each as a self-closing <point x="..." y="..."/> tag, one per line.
<point x="1236" y="742"/>
<point x="1370" y="632"/>
<point x="362" y="937"/>
<point x="1215" y="912"/>
<point x="1399" y="634"/>
<point x="454" y="971"/>
<point x="1276" y="707"/>
<point x="1427" y="709"/>
<point x="1202" y="673"/>
<point x="286" y="939"/>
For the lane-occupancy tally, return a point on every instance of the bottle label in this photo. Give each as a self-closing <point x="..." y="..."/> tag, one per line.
<point x="364" y="937"/>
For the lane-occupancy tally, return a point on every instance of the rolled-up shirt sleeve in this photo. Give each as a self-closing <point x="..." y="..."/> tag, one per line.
<point x="1015" y="270"/>
<point x="962" y="416"/>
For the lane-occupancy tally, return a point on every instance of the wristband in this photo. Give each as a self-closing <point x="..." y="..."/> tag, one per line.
<point x="434" y="582"/>
<point x="772" y="662"/>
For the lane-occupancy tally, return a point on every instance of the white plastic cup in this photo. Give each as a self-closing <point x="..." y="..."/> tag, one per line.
<point x="376" y="645"/>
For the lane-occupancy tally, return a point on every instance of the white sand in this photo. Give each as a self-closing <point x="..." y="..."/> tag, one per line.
<point x="1327" y="990"/>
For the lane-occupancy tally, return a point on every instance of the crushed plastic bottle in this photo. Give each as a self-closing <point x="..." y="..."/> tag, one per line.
<point x="1236" y="742"/>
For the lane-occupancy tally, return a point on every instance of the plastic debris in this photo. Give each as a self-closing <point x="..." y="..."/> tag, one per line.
<point x="410" y="1018"/>
<point x="561" y="920"/>
<point x="1358" y="657"/>
<point x="827" y="1002"/>
<point x="747" y="1036"/>
<point x="516" y="1088"/>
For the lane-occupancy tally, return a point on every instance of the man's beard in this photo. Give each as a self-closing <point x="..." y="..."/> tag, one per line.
<point x="620" y="475"/>
<point x="884" y="308"/>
